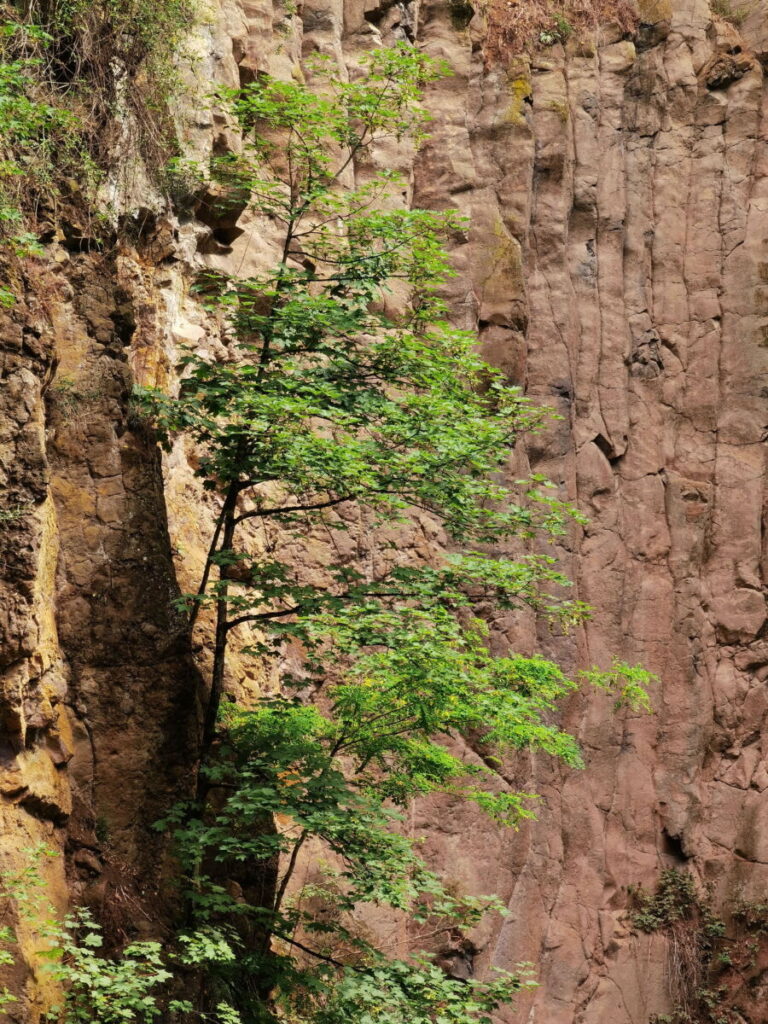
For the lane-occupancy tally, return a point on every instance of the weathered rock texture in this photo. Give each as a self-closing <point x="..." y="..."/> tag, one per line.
<point x="617" y="266"/>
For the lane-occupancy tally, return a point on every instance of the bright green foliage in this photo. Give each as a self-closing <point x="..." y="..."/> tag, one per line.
<point x="328" y="775"/>
<point x="630" y="682"/>
<point x="98" y="988"/>
<point x="66" y="67"/>
<point x="420" y="994"/>
<point x="349" y="392"/>
<point x="7" y="938"/>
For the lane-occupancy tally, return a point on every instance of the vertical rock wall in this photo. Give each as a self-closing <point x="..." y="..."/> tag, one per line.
<point x="98" y="684"/>
<point x="617" y="267"/>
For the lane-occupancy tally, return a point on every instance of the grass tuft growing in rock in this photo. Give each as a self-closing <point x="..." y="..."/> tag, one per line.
<point x="519" y="26"/>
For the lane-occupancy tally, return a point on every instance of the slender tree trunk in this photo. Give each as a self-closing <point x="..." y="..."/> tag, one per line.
<point x="206" y="571"/>
<point x="222" y="623"/>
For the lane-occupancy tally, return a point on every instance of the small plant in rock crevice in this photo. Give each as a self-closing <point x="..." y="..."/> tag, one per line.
<point x="73" y="400"/>
<point x="13" y="513"/>
<point x="675" y="899"/>
<point x="752" y="914"/>
<point x="184" y="181"/>
<point x="711" y="966"/>
<point x="735" y="14"/>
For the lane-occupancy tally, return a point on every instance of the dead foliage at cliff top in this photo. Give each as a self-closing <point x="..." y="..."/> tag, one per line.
<point x="518" y="26"/>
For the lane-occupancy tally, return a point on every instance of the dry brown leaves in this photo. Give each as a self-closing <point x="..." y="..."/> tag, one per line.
<point x="518" y="26"/>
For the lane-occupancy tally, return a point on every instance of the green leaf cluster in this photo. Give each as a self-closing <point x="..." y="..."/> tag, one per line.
<point x="716" y="960"/>
<point x="66" y="69"/>
<point x="419" y="993"/>
<point x="129" y="986"/>
<point x="675" y="899"/>
<point x="100" y="988"/>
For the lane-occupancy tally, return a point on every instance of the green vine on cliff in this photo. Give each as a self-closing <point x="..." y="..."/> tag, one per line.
<point x="711" y="965"/>
<point x="70" y="70"/>
<point x="35" y="135"/>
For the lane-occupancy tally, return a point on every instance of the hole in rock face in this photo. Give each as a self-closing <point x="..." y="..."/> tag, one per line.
<point x="562" y="389"/>
<point x="220" y="209"/>
<point x="227" y="235"/>
<point x="247" y="75"/>
<point x="458" y="960"/>
<point x="397" y="16"/>
<point x="606" y="448"/>
<point x="672" y="846"/>
<point x="76" y="240"/>
<point x="461" y="13"/>
<point x="125" y="325"/>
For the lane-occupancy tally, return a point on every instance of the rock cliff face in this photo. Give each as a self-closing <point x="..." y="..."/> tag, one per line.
<point x="617" y="266"/>
<point x="614" y="266"/>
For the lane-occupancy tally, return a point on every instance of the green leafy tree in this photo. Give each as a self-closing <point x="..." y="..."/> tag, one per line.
<point x="347" y="391"/>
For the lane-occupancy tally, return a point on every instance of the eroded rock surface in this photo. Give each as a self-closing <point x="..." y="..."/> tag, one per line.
<point x="619" y="223"/>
